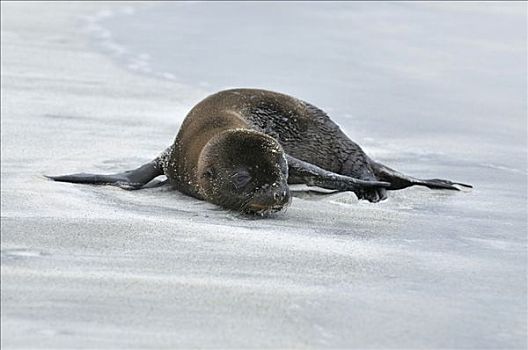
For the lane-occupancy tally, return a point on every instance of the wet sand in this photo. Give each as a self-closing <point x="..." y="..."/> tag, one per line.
<point x="99" y="267"/>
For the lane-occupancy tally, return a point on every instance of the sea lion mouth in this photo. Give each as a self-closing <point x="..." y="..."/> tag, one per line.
<point x="262" y="210"/>
<point x="268" y="202"/>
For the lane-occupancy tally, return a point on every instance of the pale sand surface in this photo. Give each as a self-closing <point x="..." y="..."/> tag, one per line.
<point x="94" y="267"/>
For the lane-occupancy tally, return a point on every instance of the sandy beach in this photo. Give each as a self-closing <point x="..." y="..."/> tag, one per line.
<point x="99" y="267"/>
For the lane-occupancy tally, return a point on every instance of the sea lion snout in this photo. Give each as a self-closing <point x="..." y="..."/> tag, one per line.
<point x="270" y="199"/>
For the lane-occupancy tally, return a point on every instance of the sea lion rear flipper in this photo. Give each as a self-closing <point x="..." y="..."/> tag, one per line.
<point x="129" y="180"/>
<point x="400" y="181"/>
<point x="301" y="172"/>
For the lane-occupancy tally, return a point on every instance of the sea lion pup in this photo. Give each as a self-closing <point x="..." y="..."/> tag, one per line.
<point x="241" y="148"/>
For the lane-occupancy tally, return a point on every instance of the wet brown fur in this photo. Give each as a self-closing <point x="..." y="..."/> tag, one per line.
<point x="304" y="131"/>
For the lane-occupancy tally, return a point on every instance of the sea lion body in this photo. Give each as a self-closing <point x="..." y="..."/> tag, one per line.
<point x="303" y="130"/>
<point x="241" y="148"/>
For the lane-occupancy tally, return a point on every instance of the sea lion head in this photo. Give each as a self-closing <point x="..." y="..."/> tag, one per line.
<point x="244" y="170"/>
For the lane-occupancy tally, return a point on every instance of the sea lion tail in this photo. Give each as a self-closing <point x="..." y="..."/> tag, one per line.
<point x="399" y="181"/>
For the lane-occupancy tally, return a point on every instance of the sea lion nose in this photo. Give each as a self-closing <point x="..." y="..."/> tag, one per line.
<point x="281" y="196"/>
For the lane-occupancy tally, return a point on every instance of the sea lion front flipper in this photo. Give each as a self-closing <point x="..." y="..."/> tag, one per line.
<point x="301" y="172"/>
<point x="128" y="180"/>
